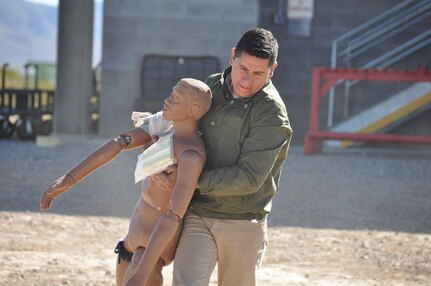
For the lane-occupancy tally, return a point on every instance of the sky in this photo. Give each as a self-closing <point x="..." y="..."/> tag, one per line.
<point x="97" y="42"/>
<point x="50" y="2"/>
<point x="45" y="2"/>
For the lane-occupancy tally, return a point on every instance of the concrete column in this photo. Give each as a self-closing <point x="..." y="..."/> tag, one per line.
<point x="74" y="67"/>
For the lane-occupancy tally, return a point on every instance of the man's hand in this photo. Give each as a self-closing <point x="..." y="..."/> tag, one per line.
<point x="166" y="180"/>
<point x="54" y="190"/>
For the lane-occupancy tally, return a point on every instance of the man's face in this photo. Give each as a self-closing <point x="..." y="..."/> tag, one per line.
<point x="249" y="73"/>
<point x="176" y="106"/>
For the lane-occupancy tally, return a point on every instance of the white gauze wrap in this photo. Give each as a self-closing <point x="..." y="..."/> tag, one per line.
<point x="160" y="155"/>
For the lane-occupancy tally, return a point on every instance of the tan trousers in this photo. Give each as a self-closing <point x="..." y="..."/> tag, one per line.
<point x="237" y="245"/>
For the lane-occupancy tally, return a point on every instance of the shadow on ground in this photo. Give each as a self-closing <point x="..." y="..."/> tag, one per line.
<point x="382" y="189"/>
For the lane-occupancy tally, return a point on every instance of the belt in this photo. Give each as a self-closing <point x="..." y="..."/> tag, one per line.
<point x="234" y="216"/>
<point x="248" y="216"/>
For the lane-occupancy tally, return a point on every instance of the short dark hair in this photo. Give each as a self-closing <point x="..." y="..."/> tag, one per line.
<point x="259" y="43"/>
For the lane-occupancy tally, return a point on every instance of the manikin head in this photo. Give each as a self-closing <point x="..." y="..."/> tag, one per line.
<point x="190" y="98"/>
<point x="253" y="61"/>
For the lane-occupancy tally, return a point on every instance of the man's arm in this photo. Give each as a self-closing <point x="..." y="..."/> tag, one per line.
<point x="190" y="166"/>
<point x="99" y="158"/>
<point x="267" y="142"/>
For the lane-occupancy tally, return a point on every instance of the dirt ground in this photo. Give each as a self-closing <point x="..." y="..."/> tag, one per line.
<point x="49" y="249"/>
<point x="341" y="218"/>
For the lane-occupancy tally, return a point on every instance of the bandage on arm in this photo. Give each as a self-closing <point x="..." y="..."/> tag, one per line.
<point x="190" y="166"/>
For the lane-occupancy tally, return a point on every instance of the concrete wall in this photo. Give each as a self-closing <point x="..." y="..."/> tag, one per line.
<point x="135" y="28"/>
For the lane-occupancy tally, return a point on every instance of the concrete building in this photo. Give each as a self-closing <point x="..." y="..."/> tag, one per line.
<point x="176" y="30"/>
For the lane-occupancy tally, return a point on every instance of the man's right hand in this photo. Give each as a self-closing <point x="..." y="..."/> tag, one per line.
<point x="167" y="179"/>
<point x="54" y="190"/>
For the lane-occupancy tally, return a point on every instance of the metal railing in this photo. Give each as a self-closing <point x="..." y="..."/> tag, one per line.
<point x="26" y="102"/>
<point x="373" y="33"/>
<point x="324" y="79"/>
<point x="31" y="111"/>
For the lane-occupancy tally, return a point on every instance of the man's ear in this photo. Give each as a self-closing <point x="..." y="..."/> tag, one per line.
<point x="271" y="72"/>
<point x="232" y="56"/>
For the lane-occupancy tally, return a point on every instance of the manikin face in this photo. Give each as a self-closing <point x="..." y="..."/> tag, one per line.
<point x="176" y="106"/>
<point x="249" y="73"/>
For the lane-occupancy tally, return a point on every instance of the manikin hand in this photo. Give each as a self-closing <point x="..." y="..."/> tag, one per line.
<point x="54" y="190"/>
<point x="135" y="280"/>
<point x="166" y="180"/>
<point x="154" y="139"/>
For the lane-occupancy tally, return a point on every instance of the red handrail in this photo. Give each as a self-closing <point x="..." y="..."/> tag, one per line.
<point x="323" y="79"/>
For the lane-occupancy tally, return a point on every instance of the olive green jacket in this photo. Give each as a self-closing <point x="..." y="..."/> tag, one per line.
<point x="247" y="140"/>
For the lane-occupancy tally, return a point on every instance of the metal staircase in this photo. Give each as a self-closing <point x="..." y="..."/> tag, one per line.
<point x="389" y="40"/>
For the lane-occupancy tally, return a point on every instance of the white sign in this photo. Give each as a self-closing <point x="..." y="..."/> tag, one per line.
<point x="300" y="9"/>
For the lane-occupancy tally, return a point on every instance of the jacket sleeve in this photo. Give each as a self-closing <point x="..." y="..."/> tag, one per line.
<point x="265" y="146"/>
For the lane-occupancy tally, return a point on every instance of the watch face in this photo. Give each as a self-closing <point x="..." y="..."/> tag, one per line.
<point x="127" y="138"/>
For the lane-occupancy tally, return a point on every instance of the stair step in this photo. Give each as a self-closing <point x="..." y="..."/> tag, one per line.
<point x="385" y="113"/>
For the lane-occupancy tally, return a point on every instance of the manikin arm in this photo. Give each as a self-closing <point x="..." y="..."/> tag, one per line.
<point x="99" y="158"/>
<point x="190" y="166"/>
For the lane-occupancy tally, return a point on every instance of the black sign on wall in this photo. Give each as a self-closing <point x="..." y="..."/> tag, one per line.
<point x="159" y="73"/>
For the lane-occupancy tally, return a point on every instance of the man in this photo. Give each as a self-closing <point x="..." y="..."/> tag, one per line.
<point x="155" y="225"/>
<point x="247" y="135"/>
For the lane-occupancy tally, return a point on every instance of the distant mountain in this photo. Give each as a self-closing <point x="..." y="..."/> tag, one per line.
<point x="28" y="31"/>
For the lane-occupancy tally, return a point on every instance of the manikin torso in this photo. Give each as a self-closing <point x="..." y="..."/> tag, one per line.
<point x="155" y="201"/>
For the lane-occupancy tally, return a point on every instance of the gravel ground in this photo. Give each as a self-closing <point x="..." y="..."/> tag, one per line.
<point x="381" y="189"/>
<point x="357" y="217"/>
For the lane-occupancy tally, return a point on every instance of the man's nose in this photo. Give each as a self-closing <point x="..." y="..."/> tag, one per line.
<point x="247" y="78"/>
